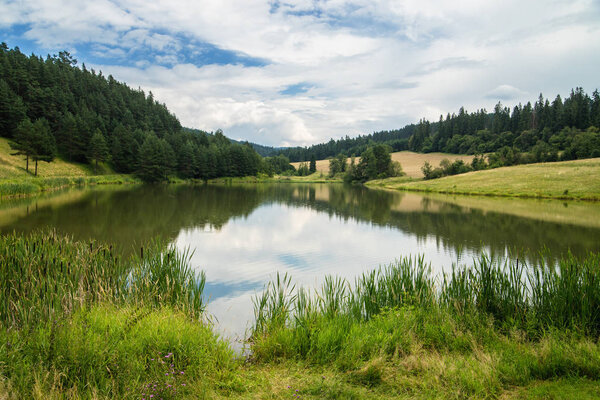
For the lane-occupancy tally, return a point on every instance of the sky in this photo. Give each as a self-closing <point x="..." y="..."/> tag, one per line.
<point x="301" y="72"/>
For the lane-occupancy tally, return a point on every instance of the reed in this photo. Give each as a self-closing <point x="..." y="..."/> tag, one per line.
<point x="532" y="299"/>
<point x="44" y="276"/>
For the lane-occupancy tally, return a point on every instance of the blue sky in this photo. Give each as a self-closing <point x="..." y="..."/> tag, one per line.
<point x="301" y="72"/>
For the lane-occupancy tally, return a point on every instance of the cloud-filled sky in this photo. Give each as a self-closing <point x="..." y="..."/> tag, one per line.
<point x="301" y="72"/>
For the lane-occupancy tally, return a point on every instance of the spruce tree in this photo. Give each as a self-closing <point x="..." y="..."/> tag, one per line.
<point x="313" y="164"/>
<point x="98" y="149"/>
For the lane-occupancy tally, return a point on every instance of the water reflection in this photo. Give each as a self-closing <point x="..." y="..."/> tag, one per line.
<point x="243" y="234"/>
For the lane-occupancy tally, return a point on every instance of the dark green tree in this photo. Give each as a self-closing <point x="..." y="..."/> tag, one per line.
<point x="12" y="110"/>
<point x="313" y="164"/>
<point x="23" y="141"/>
<point x="44" y="144"/>
<point x="98" y="149"/>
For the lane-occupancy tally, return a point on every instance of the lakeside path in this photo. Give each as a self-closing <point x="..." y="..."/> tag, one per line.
<point x="566" y="180"/>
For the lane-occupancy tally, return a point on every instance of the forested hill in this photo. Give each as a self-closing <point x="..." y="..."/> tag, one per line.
<point x="397" y="139"/>
<point x="543" y="129"/>
<point x="51" y="107"/>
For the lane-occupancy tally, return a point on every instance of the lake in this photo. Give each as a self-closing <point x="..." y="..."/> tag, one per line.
<point x="242" y="235"/>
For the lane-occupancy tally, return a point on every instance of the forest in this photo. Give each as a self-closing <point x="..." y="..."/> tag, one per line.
<point x="543" y="131"/>
<point x="51" y="107"/>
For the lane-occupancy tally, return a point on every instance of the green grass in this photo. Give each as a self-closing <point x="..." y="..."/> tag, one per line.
<point x="577" y="180"/>
<point x="29" y="186"/>
<point x="43" y="275"/>
<point x="15" y="181"/>
<point x="79" y="322"/>
<point x="13" y="167"/>
<point x="491" y="330"/>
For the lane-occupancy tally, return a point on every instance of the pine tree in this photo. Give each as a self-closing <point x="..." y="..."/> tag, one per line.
<point x="23" y="141"/>
<point x="12" y="110"/>
<point x="98" y="149"/>
<point x="313" y="163"/>
<point x="44" y="144"/>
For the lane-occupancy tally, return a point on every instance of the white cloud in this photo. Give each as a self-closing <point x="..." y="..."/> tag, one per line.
<point x="505" y="92"/>
<point x="372" y="64"/>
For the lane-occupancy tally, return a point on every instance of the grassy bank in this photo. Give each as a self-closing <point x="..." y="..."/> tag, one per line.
<point x="80" y="322"/>
<point x="31" y="186"/>
<point x="569" y="180"/>
<point x="15" y="181"/>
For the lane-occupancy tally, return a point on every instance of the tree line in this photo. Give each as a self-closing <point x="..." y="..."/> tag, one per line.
<point x="50" y="107"/>
<point x="396" y="139"/>
<point x="543" y="131"/>
<point x="543" y="128"/>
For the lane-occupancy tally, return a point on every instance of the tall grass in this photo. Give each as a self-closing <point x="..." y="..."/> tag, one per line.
<point x="513" y="295"/>
<point x="44" y="275"/>
<point x="29" y="185"/>
<point x="79" y="321"/>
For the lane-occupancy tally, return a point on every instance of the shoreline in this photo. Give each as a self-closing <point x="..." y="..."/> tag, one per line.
<point x="31" y="187"/>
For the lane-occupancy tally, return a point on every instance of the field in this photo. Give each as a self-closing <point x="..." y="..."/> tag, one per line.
<point x="411" y="162"/>
<point x="579" y="180"/>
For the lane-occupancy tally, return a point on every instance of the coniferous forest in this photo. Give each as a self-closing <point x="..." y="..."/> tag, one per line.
<point x="51" y="107"/>
<point x="544" y="131"/>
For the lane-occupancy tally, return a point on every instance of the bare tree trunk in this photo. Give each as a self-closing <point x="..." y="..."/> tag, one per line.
<point x="27" y="163"/>
<point x="36" y="167"/>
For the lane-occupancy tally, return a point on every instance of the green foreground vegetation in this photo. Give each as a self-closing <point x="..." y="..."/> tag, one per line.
<point x="575" y="180"/>
<point x="79" y="322"/>
<point x="33" y="186"/>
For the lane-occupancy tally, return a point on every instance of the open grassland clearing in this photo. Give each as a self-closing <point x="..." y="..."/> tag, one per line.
<point x="411" y="162"/>
<point x="79" y="322"/>
<point x="12" y="167"/>
<point x="579" y="180"/>
<point x="15" y="181"/>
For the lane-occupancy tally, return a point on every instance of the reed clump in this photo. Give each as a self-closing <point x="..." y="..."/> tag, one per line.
<point x="45" y="275"/>
<point x="509" y="295"/>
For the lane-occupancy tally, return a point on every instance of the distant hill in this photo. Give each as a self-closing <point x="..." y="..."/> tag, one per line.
<point x="397" y="139"/>
<point x="265" y="151"/>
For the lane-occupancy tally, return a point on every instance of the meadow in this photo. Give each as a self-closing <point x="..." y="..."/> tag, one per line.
<point x="577" y="180"/>
<point x="80" y="322"/>
<point x="411" y="162"/>
<point x="15" y="181"/>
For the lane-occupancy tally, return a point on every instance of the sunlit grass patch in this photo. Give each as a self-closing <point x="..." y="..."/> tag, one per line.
<point x="577" y="179"/>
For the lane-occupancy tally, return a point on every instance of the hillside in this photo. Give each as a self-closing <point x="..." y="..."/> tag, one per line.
<point x="13" y="167"/>
<point x="411" y="162"/>
<point x="52" y="108"/>
<point x="579" y="179"/>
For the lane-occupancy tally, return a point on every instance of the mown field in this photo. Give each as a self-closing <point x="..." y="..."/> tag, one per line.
<point x="579" y="179"/>
<point x="411" y="162"/>
<point x="80" y="322"/>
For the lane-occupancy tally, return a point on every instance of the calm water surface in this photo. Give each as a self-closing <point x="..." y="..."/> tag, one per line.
<point x="242" y="235"/>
